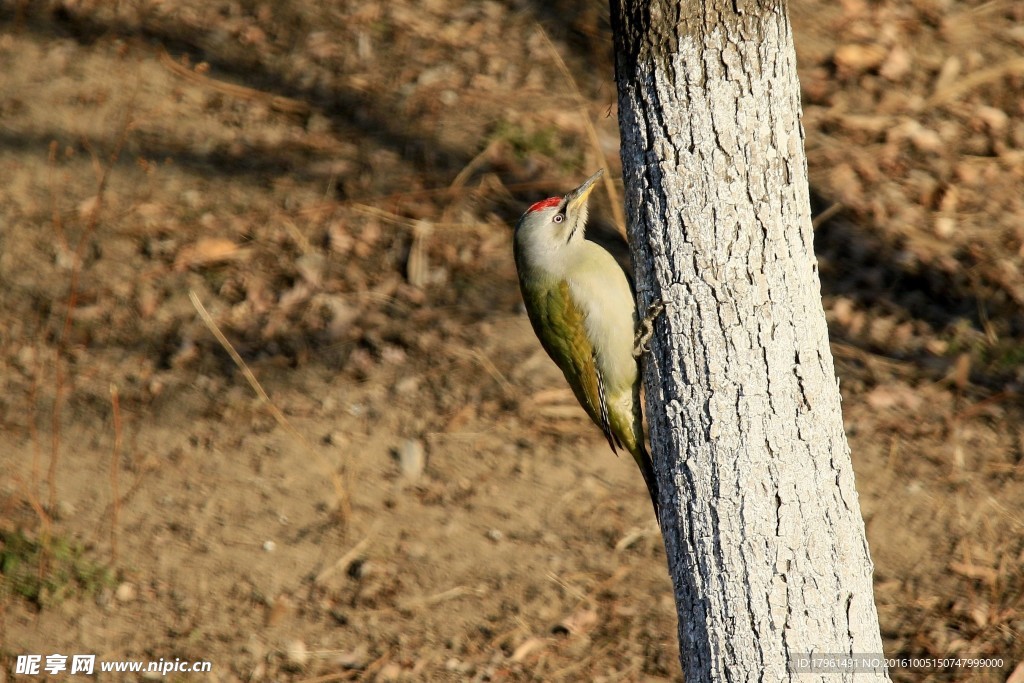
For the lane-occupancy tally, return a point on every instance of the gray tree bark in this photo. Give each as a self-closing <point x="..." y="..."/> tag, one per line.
<point x="759" y="512"/>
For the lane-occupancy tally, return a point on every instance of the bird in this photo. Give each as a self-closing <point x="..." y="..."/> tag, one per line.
<point x="581" y="306"/>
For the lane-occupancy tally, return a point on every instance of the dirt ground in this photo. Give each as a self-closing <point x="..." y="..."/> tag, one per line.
<point x="421" y="498"/>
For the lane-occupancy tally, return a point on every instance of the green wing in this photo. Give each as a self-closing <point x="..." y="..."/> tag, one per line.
<point x="558" y="322"/>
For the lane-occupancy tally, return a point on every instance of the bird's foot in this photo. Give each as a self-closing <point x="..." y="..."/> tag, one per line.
<point x="645" y="330"/>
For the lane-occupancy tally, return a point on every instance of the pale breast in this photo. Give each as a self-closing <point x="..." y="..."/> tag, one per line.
<point x="602" y="292"/>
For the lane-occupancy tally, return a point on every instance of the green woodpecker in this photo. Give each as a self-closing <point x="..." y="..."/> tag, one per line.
<point x="582" y="308"/>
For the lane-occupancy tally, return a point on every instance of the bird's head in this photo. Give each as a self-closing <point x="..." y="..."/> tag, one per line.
<point x="557" y="220"/>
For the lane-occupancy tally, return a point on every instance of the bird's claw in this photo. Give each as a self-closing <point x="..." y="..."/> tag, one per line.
<point x="645" y="330"/>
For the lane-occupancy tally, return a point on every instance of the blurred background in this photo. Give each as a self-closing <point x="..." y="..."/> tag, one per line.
<point x="417" y="495"/>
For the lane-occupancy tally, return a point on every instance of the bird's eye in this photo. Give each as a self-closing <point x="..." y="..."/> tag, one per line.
<point x="558" y="218"/>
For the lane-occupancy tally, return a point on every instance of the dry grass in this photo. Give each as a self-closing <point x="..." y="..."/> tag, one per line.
<point x="343" y="505"/>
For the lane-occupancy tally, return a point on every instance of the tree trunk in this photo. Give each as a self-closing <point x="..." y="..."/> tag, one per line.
<point x="759" y="511"/>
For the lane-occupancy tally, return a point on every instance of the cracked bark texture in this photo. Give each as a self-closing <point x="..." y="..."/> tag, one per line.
<point x="760" y="515"/>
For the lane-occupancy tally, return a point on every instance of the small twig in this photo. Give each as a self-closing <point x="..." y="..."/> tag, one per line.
<point x="345" y="559"/>
<point x="635" y="534"/>
<point x="408" y="223"/>
<point x="246" y="372"/>
<point x="572" y="590"/>
<point x="489" y="366"/>
<point x="609" y="185"/>
<point x="370" y="672"/>
<point x="33" y="502"/>
<point x="115" y="459"/>
<point x="825" y="215"/>
<point x="300" y="239"/>
<point x="467" y="170"/>
<point x="279" y="103"/>
<point x="33" y="493"/>
<point x="344" y="506"/>
<point x="873" y="362"/>
<point x="72" y="300"/>
<point x="58" y="224"/>
<point x="429" y="600"/>
<point x="330" y="678"/>
<point x="964" y="85"/>
<point x="563" y="673"/>
<point x="982" y="405"/>
<point x="55" y="413"/>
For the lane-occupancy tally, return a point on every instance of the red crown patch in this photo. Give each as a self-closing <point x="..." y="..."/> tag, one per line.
<point x="544" y="204"/>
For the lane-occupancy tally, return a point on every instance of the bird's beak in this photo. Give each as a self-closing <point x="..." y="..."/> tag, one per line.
<point x="577" y="199"/>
